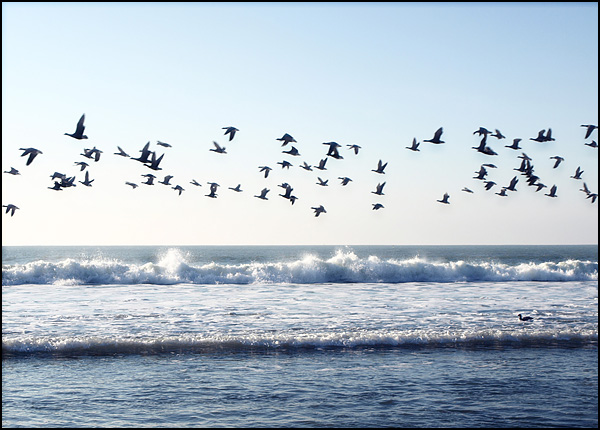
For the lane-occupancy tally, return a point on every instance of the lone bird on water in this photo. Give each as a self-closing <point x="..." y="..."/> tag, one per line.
<point x="78" y="134"/>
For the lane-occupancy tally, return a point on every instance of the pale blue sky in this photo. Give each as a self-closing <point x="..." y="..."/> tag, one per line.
<point x="376" y="75"/>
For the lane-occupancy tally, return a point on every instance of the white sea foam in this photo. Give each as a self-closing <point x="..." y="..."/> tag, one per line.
<point x="345" y="266"/>
<point x="96" y="345"/>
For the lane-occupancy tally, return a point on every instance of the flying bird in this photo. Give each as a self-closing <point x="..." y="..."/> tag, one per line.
<point x="578" y="173"/>
<point x="377" y="206"/>
<point x="237" y="189"/>
<point x="154" y="162"/>
<point x="345" y="180"/>
<point x="12" y="171"/>
<point x="78" y="134"/>
<point x="133" y="186"/>
<point x="263" y="194"/>
<point x="292" y="151"/>
<point x="355" y="147"/>
<point x="286" y="138"/>
<point x="166" y="145"/>
<point x="467" y="190"/>
<point x="87" y="182"/>
<point x="265" y="169"/>
<point x="482" y="131"/>
<point x="178" y="188"/>
<point x="231" y="131"/>
<point x="498" y="135"/>
<point x="589" y="129"/>
<point x="194" y="182"/>
<point x="213" y="190"/>
<point x="10" y="208"/>
<point x="489" y="185"/>
<point x="436" y="136"/>
<point x="445" y="199"/>
<point x="166" y="180"/>
<point x="319" y="210"/>
<point x="32" y="152"/>
<point x="540" y="137"/>
<point x="322" y="182"/>
<point x="414" y="146"/>
<point x="93" y="153"/>
<point x="143" y="158"/>
<point x="515" y="144"/>
<point x="307" y="166"/>
<point x="218" y="148"/>
<point x="285" y="163"/>
<point x="557" y="162"/>
<point x="592" y="144"/>
<point x="321" y="165"/>
<point x="149" y="179"/>
<point x="333" y="149"/>
<point x="380" y="168"/>
<point x="502" y="192"/>
<point x="121" y="152"/>
<point x="513" y="183"/>
<point x="82" y="165"/>
<point x="379" y="189"/>
<point x="552" y="192"/>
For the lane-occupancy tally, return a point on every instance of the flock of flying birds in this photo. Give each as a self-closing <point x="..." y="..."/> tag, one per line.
<point x="150" y="159"/>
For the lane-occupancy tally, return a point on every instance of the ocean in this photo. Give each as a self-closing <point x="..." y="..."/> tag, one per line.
<point x="300" y="336"/>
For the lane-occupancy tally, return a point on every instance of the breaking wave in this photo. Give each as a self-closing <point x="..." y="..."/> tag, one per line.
<point x="343" y="267"/>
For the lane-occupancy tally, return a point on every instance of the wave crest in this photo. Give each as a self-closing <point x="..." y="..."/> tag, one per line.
<point x="343" y="267"/>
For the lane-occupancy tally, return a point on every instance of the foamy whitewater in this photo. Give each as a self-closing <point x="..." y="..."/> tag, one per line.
<point x="331" y="305"/>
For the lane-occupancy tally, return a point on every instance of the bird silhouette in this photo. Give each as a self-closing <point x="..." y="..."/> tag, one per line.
<point x="578" y="173"/>
<point x="121" y="152"/>
<point x="345" y="180"/>
<point x="286" y="138"/>
<point x="489" y="185"/>
<point x="321" y="165"/>
<point x="436" y="136"/>
<point x="231" y="131"/>
<point x="540" y="137"/>
<point x="56" y="186"/>
<point x="145" y="154"/>
<point x="166" y="145"/>
<point x="166" y="180"/>
<point x="502" y="192"/>
<point x="149" y="179"/>
<point x="10" y="208"/>
<point x="12" y="171"/>
<point x="379" y="189"/>
<point x="322" y="182"/>
<point x="285" y="163"/>
<point x="377" y="206"/>
<point x="558" y="159"/>
<point x="513" y="183"/>
<point x="522" y="318"/>
<point x="482" y="131"/>
<point x="218" y="148"/>
<point x="354" y="147"/>
<point x="467" y="190"/>
<point x="380" y="168"/>
<point x="293" y="151"/>
<point x="82" y="165"/>
<point x="414" y="146"/>
<point x="589" y="129"/>
<point x="548" y="137"/>
<point x="154" y="162"/>
<point x="498" y="135"/>
<point x="178" y="188"/>
<point x="78" y="134"/>
<point x="263" y="194"/>
<point x="132" y="185"/>
<point x="481" y="174"/>
<point x="592" y="196"/>
<point x="592" y="144"/>
<point x="265" y="169"/>
<point x="319" y="210"/>
<point x="445" y="199"/>
<point x="194" y="182"/>
<point x="515" y="144"/>
<point x="93" y="153"/>
<point x="213" y="190"/>
<point x="552" y="192"/>
<point x="87" y="182"/>
<point x="32" y="152"/>
<point x="306" y="166"/>
<point x="483" y="148"/>
<point x="237" y="188"/>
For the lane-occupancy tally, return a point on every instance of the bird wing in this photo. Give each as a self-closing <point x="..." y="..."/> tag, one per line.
<point x="80" y="126"/>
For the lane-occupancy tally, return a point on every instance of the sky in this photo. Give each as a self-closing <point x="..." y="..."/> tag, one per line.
<point x="377" y="75"/>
